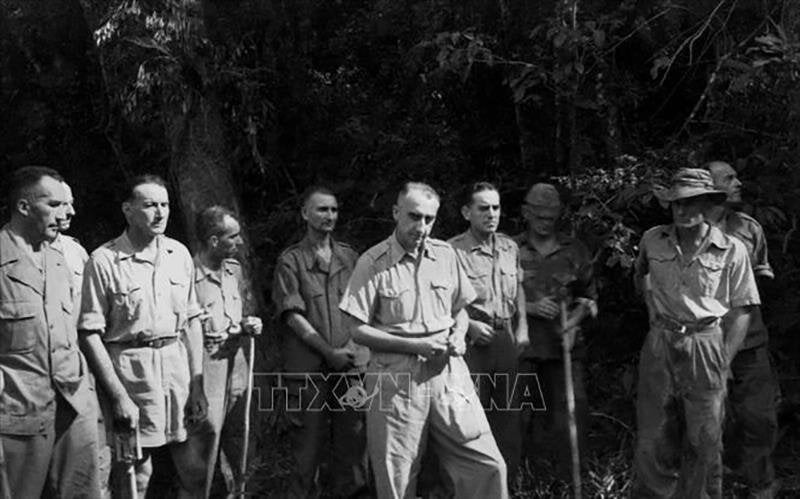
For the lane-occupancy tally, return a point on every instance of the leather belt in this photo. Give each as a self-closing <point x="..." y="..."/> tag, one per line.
<point x="497" y="323"/>
<point x="684" y="327"/>
<point x="150" y="343"/>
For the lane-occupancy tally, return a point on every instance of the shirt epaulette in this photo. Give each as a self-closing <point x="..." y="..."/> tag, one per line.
<point x="73" y="239"/>
<point x="506" y="239"/>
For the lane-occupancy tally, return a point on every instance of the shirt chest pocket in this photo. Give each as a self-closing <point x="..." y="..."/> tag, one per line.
<point x="395" y="304"/>
<point x="709" y="273"/>
<point x="18" y="326"/>
<point x="127" y="304"/>
<point x="509" y="279"/>
<point x="442" y="297"/>
<point x="481" y="279"/>
<point x="664" y="272"/>
<point x="179" y="295"/>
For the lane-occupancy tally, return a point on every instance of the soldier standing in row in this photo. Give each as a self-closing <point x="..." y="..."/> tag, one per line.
<point x="309" y="281"/>
<point x="73" y="252"/>
<point x="692" y="275"/>
<point x="557" y="269"/>
<point x="141" y="331"/>
<point x="407" y="298"/>
<point x="753" y="394"/>
<point x="498" y="326"/>
<point x="48" y="411"/>
<point x="220" y="292"/>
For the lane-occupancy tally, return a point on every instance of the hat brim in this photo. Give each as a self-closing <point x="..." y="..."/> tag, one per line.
<point x="675" y="194"/>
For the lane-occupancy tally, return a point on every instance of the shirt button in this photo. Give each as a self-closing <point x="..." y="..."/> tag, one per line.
<point x="52" y="326"/>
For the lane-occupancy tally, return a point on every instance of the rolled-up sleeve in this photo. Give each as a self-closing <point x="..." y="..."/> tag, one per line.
<point x="286" y="289"/>
<point x="192" y="306"/>
<point x="760" y="259"/>
<point x="360" y="295"/>
<point x="94" y="299"/>
<point x="742" y="287"/>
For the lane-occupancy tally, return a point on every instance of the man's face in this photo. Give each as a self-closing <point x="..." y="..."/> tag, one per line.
<point x="689" y="212"/>
<point x="321" y="212"/>
<point x="483" y="213"/>
<point x="148" y="211"/>
<point x="542" y="220"/>
<point x="69" y="209"/>
<point x="726" y="179"/>
<point x="44" y="209"/>
<point x="229" y="241"/>
<point x="415" y="214"/>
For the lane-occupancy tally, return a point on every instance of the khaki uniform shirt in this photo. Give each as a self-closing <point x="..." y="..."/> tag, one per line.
<point x="398" y="293"/>
<point x="130" y="296"/>
<point x="565" y="274"/>
<point x="220" y="295"/>
<point x="39" y="353"/>
<point x="305" y="284"/>
<point x="493" y="269"/>
<point x="76" y="258"/>
<point x="717" y="279"/>
<point x="745" y="228"/>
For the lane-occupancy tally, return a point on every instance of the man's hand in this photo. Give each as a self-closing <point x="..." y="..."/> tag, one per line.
<point x="479" y="332"/>
<point x="125" y="413"/>
<point x="197" y="406"/>
<point x="456" y="345"/>
<point x="545" y="308"/>
<point x="211" y="338"/>
<point x="252" y="325"/>
<point x="340" y="359"/>
<point x="432" y="346"/>
<point x="522" y="338"/>
<point x="570" y="335"/>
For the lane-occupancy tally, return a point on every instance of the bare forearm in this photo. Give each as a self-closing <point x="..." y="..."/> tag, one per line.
<point x="381" y="341"/>
<point x="522" y="317"/>
<point x="100" y="363"/>
<point x="737" y="322"/>
<point x="461" y="325"/>
<point x="193" y="339"/>
<point x="306" y="332"/>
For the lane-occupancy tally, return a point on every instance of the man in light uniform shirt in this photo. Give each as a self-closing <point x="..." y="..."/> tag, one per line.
<point x="498" y="327"/>
<point x="407" y="297"/>
<point x="141" y="330"/>
<point x="219" y="285"/>
<point x="692" y="275"/>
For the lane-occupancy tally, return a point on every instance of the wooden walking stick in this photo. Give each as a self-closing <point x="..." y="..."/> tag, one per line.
<point x="248" y="399"/>
<point x="566" y="349"/>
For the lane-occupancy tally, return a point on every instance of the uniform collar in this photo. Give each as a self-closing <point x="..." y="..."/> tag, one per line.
<point x="487" y="247"/>
<point x="397" y="252"/>
<point x="310" y="257"/>
<point x="204" y="272"/>
<point x="13" y="251"/>
<point x="125" y="250"/>
<point x="11" y="247"/>
<point x="714" y="237"/>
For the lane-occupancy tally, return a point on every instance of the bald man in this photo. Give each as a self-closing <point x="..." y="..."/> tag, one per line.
<point x="753" y="395"/>
<point x="407" y="297"/>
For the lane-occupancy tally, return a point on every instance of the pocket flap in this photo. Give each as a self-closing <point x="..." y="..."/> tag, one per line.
<point x="16" y="310"/>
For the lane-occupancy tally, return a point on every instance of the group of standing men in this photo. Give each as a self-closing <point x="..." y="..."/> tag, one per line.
<point x="409" y="323"/>
<point x="137" y="343"/>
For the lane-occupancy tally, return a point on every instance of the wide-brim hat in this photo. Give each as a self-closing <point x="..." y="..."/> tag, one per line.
<point x="690" y="183"/>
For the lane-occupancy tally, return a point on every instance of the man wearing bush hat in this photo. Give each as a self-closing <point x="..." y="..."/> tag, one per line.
<point x="693" y="275"/>
<point x="752" y="428"/>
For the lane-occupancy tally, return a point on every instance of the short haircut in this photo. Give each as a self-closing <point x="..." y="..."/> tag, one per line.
<point x="429" y="191"/>
<point x="23" y="179"/>
<point x="314" y="189"/>
<point x="471" y="190"/>
<point x="138" y="180"/>
<point x="209" y="222"/>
